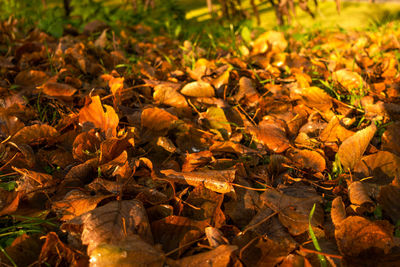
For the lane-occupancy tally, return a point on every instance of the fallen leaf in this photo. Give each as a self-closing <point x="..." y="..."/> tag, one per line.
<point x="352" y="149"/>
<point x="167" y="95"/>
<point x="34" y="134"/>
<point x="270" y="135"/>
<point x="220" y="256"/>
<point x="198" y="89"/>
<point x="307" y="159"/>
<point x="106" y="120"/>
<point x="218" y="181"/>
<point x="356" y="235"/>
<point x="58" y="89"/>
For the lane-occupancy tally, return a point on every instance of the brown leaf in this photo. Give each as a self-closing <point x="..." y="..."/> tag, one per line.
<point x="215" y="237"/>
<point x="75" y="203"/>
<point x="114" y="222"/>
<point x="270" y="40"/>
<point x="218" y="181"/>
<point x="315" y="97"/>
<point x="389" y="199"/>
<point x="271" y="135"/>
<point x="220" y="256"/>
<point x="9" y="201"/>
<point x="24" y="250"/>
<point x="352" y="149"/>
<point x="58" y="89"/>
<point x="356" y="235"/>
<point x="216" y="119"/>
<point x="32" y="181"/>
<point x="247" y="91"/>
<point x="391" y="139"/>
<point x="198" y="89"/>
<point x="85" y="146"/>
<point x="55" y="251"/>
<point x="349" y="80"/>
<point x="335" y="132"/>
<point x="31" y="78"/>
<point x="196" y="160"/>
<point x="167" y="95"/>
<point x="132" y="251"/>
<point x="37" y="133"/>
<point x="174" y="232"/>
<point x="338" y="211"/>
<point x="294" y="210"/>
<point x="94" y="113"/>
<point x="307" y="159"/>
<point x="358" y="196"/>
<point x="157" y="119"/>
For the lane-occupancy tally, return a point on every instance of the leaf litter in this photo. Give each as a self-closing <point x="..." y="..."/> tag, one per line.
<point x="218" y="161"/>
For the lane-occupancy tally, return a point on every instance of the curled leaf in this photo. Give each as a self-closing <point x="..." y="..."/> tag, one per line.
<point x="198" y="89"/>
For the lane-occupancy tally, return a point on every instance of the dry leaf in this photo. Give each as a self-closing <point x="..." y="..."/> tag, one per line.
<point x="35" y="134"/>
<point x="315" y="97"/>
<point x="220" y="256"/>
<point x="307" y="159"/>
<point x="114" y="222"/>
<point x="167" y="95"/>
<point x="58" y="89"/>
<point x="198" y="89"/>
<point x="349" y="80"/>
<point x="358" y="196"/>
<point x="271" y="135"/>
<point x="356" y="235"/>
<point x="352" y="149"/>
<point x="157" y="119"/>
<point x="338" y="211"/>
<point x="218" y="181"/>
<point x="106" y="120"/>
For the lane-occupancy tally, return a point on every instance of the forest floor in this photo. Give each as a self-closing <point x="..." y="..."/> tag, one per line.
<point x="261" y="149"/>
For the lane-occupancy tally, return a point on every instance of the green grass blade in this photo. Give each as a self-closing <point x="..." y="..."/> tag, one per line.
<point x="314" y="239"/>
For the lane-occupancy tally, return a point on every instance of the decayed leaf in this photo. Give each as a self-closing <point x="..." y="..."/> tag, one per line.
<point x="167" y="95"/>
<point x="307" y="159"/>
<point x="338" y="211"/>
<point x="315" y="97"/>
<point x="29" y="245"/>
<point x="37" y="133"/>
<point x="359" y="197"/>
<point x="32" y="181"/>
<point x="114" y="222"/>
<point x="294" y="211"/>
<point x="85" y="146"/>
<point x="218" y="181"/>
<point x="352" y="149"/>
<point x="157" y="119"/>
<point x="356" y="235"/>
<point x="58" y="89"/>
<point x="94" y="113"/>
<point x="196" y="160"/>
<point x="220" y="256"/>
<point x="271" y="135"/>
<point x="198" y="89"/>
<point x="75" y="203"/>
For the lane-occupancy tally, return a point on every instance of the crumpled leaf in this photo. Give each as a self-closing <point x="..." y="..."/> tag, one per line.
<point x="358" y="196"/>
<point x="106" y="120"/>
<point x="356" y="235"/>
<point x="218" y="181"/>
<point x="198" y="89"/>
<point x="335" y="132"/>
<point x="338" y="211"/>
<point x="352" y="149"/>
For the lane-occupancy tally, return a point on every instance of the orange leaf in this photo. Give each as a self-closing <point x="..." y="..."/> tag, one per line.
<point x="94" y="113"/>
